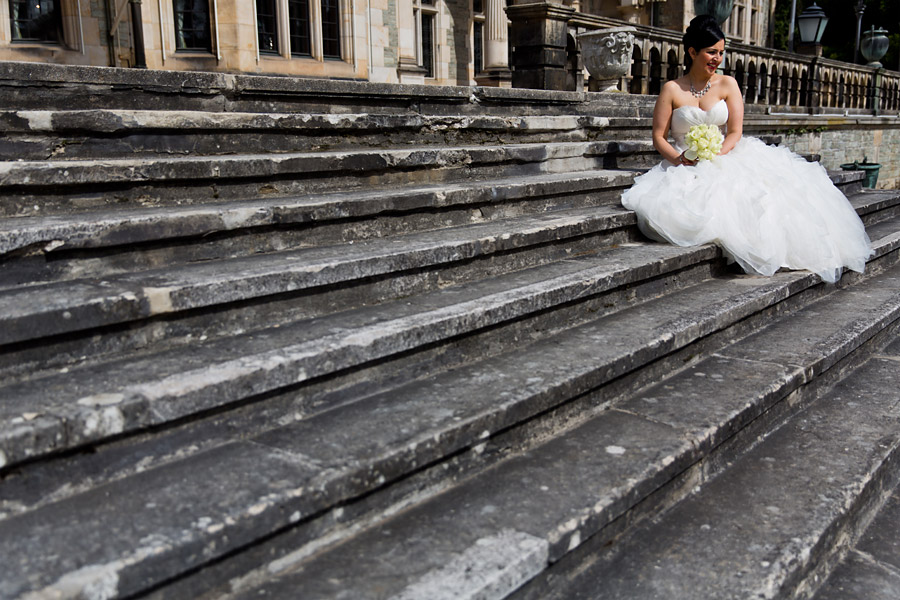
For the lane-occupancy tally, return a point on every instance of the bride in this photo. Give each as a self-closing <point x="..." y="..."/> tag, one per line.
<point x="765" y="206"/>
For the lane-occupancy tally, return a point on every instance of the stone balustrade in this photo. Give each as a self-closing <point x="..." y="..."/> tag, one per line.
<point x="766" y="76"/>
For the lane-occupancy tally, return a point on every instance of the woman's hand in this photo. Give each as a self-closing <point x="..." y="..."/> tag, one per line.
<point x="682" y="160"/>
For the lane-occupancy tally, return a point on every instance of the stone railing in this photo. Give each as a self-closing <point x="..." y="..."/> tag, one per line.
<point x="765" y="76"/>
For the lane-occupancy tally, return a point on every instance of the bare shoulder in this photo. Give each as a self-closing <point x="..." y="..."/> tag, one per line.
<point x="669" y="92"/>
<point x="728" y="82"/>
<point x="670" y="87"/>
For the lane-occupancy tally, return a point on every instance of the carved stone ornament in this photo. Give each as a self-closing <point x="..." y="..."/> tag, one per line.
<point x="606" y="54"/>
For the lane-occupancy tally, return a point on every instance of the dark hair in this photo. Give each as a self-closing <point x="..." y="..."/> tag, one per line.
<point x="703" y="32"/>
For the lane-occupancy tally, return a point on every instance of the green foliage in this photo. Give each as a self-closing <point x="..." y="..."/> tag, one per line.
<point x="839" y="40"/>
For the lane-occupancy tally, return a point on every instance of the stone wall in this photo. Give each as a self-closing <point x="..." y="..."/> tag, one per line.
<point x="839" y="146"/>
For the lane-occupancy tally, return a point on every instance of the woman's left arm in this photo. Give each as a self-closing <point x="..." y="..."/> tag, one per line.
<point x="735" y="125"/>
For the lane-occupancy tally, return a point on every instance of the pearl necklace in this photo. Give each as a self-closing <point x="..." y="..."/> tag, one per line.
<point x="699" y="94"/>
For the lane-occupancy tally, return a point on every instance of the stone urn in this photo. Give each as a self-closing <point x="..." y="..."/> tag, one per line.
<point x="719" y="9"/>
<point x="606" y="54"/>
<point x="874" y="45"/>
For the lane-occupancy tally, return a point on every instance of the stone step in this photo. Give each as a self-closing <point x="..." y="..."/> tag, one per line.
<point x="262" y="291"/>
<point x="871" y="569"/>
<point x="175" y="516"/>
<point x="97" y="134"/>
<point x="34" y="86"/>
<point x="225" y="229"/>
<point x="108" y="298"/>
<point x="778" y="520"/>
<point x="499" y="530"/>
<point x="73" y="366"/>
<point x="874" y="206"/>
<point x="32" y="188"/>
<point x="65" y="406"/>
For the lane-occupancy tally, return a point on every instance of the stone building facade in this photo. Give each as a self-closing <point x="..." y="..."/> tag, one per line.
<point x="444" y="42"/>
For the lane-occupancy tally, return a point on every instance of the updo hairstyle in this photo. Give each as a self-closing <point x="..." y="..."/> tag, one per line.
<point x="703" y="32"/>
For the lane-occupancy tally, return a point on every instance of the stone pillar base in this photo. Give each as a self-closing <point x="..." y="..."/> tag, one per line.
<point x="500" y="77"/>
<point x="539" y="37"/>
<point x="410" y="72"/>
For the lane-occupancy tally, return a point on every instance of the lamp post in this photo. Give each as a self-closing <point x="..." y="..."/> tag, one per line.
<point x="811" y="23"/>
<point x="859" y="8"/>
<point x="791" y="28"/>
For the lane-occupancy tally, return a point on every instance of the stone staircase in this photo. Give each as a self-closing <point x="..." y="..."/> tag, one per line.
<point x="267" y="337"/>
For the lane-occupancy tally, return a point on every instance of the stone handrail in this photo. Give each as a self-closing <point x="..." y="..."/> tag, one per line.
<point x="791" y="82"/>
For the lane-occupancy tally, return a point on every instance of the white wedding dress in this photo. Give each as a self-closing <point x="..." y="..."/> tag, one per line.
<point x="765" y="206"/>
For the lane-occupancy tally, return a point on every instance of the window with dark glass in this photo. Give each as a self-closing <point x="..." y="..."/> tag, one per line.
<point x="298" y="19"/>
<point x="478" y="34"/>
<point x="428" y="44"/>
<point x="192" y="25"/>
<point x="35" y="21"/>
<point x="331" y="29"/>
<point x="267" y="26"/>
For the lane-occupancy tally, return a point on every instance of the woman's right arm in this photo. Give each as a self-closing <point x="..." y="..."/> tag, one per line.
<point x="662" y="121"/>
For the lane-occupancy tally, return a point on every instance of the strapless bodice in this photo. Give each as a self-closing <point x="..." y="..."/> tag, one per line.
<point x="685" y="117"/>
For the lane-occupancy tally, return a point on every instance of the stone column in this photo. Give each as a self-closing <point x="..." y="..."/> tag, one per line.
<point x="539" y="36"/>
<point x="496" y="46"/>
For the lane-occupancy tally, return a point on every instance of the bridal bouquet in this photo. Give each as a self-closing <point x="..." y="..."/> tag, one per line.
<point x="703" y="141"/>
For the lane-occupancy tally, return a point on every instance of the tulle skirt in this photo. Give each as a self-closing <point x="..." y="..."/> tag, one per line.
<point x="765" y="206"/>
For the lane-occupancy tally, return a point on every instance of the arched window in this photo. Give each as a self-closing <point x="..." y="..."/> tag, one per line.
<point x="655" y="75"/>
<point x="784" y="91"/>
<point x="794" y="87"/>
<point x="672" y="66"/>
<point x="763" y="84"/>
<point x="739" y="77"/>
<point x="803" y="100"/>
<point x="637" y="71"/>
<point x="752" y="91"/>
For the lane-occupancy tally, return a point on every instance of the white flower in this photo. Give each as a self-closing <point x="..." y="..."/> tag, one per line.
<point x="704" y="142"/>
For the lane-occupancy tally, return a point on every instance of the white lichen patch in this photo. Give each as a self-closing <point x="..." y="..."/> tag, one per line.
<point x="492" y="567"/>
<point x="38" y="120"/>
<point x="109" y="421"/>
<point x="105" y="399"/>
<point x="575" y="540"/>
<point x="615" y="450"/>
<point x="93" y="582"/>
<point x="257" y="508"/>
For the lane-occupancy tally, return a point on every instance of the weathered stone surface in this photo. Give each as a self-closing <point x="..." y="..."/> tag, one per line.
<point x="862" y="311"/>
<point x="113" y="397"/>
<point x="121" y="538"/>
<point x="37" y="311"/>
<point x="50" y="187"/>
<point x="143" y="454"/>
<point x="880" y="541"/>
<point x="48" y="173"/>
<point x="124" y="226"/>
<point x="67" y="135"/>
<point x="859" y="576"/>
<point x="757" y="530"/>
<point x="557" y="493"/>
